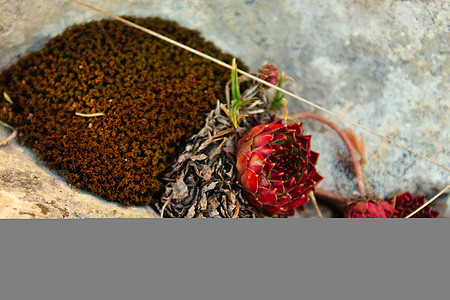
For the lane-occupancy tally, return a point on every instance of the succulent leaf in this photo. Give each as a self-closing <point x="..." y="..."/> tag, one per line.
<point x="365" y="207"/>
<point x="407" y="203"/>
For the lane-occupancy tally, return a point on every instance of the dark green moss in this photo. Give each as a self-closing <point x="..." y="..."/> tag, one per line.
<point x="154" y="96"/>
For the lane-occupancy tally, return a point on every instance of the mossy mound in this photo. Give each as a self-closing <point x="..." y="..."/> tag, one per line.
<point x="154" y="96"/>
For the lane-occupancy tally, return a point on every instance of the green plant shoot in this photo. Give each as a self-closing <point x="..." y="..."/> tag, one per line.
<point x="278" y="101"/>
<point x="236" y="99"/>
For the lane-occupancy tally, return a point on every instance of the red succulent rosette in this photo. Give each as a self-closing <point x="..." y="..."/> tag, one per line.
<point x="368" y="208"/>
<point x="407" y="203"/>
<point x="270" y="74"/>
<point x="276" y="167"/>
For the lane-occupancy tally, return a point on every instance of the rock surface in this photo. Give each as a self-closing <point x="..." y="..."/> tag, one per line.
<point x="28" y="190"/>
<point x="382" y="64"/>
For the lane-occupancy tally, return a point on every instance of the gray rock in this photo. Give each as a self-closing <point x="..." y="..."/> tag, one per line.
<point x="28" y="190"/>
<point x="382" y="64"/>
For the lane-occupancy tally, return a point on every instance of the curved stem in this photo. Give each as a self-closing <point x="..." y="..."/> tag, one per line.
<point x="345" y="139"/>
<point x="12" y="135"/>
<point x="331" y="198"/>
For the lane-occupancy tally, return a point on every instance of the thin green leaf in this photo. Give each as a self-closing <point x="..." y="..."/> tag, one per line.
<point x="249" y="100"/>
<point x="277" y="101"/>
<point x="236" y="99"/>
<point x="235" y="92"/>
<point x="233" y="116"/>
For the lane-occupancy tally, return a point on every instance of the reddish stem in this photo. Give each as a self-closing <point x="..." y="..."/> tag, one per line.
<point x="331" y="198"/>
<point x="345" y="139"/>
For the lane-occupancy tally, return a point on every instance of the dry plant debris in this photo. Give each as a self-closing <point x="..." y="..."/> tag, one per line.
<point x="202" y="182"/>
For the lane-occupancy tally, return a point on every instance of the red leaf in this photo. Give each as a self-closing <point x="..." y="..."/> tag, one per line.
<point x="241" y="163"/>
<point x="266" y="196"/>
<point x="257" y="130"/>
<point x="265" y="151"/>
<point x="256" y="162"/>
<point x="250" y="180"/>
<point x="274" y="126"/>
<point x="262" y="140"/>
<point x="283" y="199"/>
<point x="273" y="209"/>
<point x="296" y="202"/>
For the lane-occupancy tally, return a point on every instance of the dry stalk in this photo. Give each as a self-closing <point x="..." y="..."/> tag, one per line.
<point x="11" y="136"/>
<point x="316" y="206"/>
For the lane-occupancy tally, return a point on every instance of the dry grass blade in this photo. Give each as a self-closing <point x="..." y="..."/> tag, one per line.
<point x="225" y="110"/>
<point x="363" y="150"/>
<point x="236" y="212"/>
<point x="11" y="136"/>
<point x="89" y="115"/>
<point x="359" y="145"/>
<point x="428" y="202"/>
<point x="223" y="132"/>
<point x="7" y="98"/>
<point x="316" y="206"/>
<point x="219" y="148"/>
<point x="163" y="209"/>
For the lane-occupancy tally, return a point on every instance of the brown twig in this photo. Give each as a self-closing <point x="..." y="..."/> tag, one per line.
<point x="223" y="132"/>
<point x="236" y="213"/>
<point x="12" y="135"/>
<point x="220" y="146"/>
<point x="345" y="139"/>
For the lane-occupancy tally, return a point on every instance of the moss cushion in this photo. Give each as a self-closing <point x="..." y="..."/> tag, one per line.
<point x="154" y="96"/>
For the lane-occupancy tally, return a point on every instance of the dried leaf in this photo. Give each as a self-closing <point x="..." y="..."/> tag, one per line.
<point x="358" y="145"/>
<point x="202" y="181"/>
<point x="180" y="190"/>
<point x="199" y="157"/>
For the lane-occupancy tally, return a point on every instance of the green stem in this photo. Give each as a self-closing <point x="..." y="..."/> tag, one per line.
<point x="236" y="99"/>
<point x="277" y="101"/>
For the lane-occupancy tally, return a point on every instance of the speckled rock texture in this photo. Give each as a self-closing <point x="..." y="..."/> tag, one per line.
<point x="382" y="64"/>
<point x="29" y="191"/>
